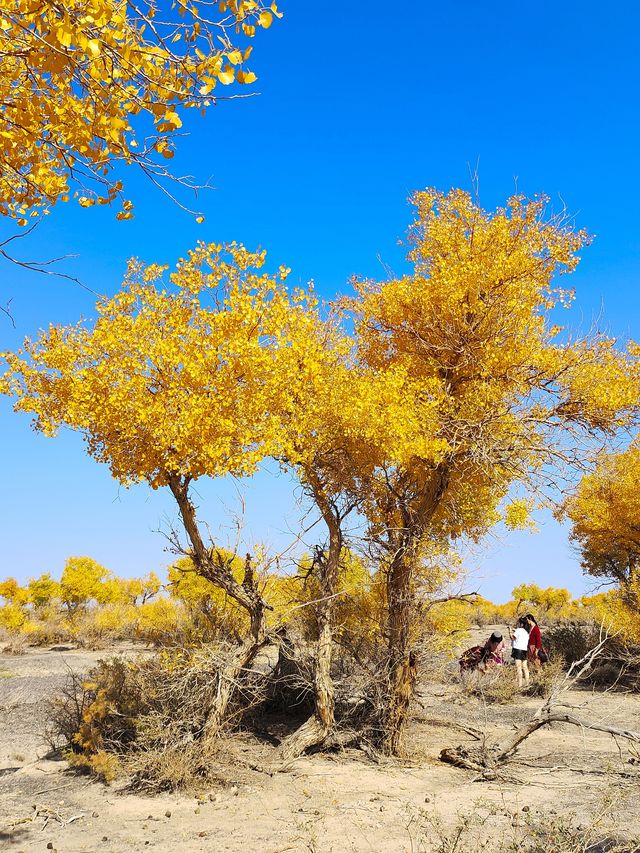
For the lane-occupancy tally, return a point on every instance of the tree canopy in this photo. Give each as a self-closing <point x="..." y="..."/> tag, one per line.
<point x="605" y="516"/>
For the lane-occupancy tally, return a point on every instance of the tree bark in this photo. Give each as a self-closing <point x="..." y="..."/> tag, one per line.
<point x="315" y="730"/>
<point x="402" y="668"/>
<point x="246" y="594"/>
<point x="416" y="514"/>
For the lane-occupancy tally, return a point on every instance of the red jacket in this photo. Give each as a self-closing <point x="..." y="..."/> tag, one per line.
<point x="535" y="640"/>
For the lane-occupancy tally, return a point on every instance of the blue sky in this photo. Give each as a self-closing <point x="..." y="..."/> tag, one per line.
<point x="359" y="105"/>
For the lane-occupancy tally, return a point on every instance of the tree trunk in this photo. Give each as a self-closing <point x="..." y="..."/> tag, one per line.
<point x="315" y="730"/>
<point x="403" y="541"/>
<point x="246" y="594"/>
<point x="228" y="678"/>
<point x="402" y="669"/>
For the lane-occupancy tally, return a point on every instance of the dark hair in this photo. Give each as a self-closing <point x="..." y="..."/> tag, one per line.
<point x="495" y="637"/>
<point x="522" y="622"/>
<point x="532" y="617"/>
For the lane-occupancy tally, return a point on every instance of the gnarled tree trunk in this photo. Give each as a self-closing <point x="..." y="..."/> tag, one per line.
<point x="402" y="669"/>
<point x="415" y="512"/>
<point x="315" y="730"/>
<point x="246" y="594"/>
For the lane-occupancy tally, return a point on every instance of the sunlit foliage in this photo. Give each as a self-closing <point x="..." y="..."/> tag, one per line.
<point x="605" y="517"/>
<point x="88" y="84"/>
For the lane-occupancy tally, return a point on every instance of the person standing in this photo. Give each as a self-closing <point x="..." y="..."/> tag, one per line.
<point x="519" y="650"/>
<point x="535" y="641"/>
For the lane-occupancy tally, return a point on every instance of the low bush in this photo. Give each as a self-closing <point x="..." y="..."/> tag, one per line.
<point x="617" y="665"/>
<point x="146" y="719"/>
<point x="497" y="686"/>
<point x="571" y="641"/>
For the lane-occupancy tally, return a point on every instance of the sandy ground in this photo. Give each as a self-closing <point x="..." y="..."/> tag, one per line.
<point x="342" y="803"/>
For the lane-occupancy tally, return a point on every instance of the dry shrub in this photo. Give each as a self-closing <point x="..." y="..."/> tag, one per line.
<point x="497" y="686"/>
<point x="545" y="677"/>
<point x="618" y="665"/>
<point x="184" y="768"/>
<point x="47" y="626"/>
<point x="14" y="644"/>
<point x="148" y="716"/>
<point x="571" y="641"/>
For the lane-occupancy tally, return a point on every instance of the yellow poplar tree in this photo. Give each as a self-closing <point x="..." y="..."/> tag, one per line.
<point x="335" y="426"/>
<point x="605" y="515"/>
<point x="43" y="590"/>
<point x="81" y="582"/>
<point x="174" y="383"/>
<point x="501" y="394"/>
<point x="87" y="84"/>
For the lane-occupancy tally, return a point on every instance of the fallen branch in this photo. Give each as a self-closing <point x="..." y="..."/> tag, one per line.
<point x="487" y="759"/>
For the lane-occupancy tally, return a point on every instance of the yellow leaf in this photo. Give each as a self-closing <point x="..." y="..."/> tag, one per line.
<point x="63" y="35"/>
<point x="265" y="20"/>
<point x="93" y="46"/>
<point x="227" y="76"/>
<point x="246" y="77"/>
<point x="173" y="118"/>
<point x="199" y="219"/>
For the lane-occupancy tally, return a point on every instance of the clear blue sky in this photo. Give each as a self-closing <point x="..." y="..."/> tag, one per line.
<point x="360" y="105"/>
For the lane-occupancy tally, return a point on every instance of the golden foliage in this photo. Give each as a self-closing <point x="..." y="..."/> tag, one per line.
<point x="43" y="590"/>
<point x="222" y="615"/>
<point x="185" y="381"/>
<point x="492" y="382"/>
<point x="12" y="592"/>
<point x="93" y="83"/>
<point x="81" y="581"/>
<point x="12" y="617"/>
<point x="605" y="517"/>
<point x="160" y="622"/>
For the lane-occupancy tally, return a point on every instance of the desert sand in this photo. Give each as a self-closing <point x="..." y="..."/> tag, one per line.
<point x="339" y="802"/>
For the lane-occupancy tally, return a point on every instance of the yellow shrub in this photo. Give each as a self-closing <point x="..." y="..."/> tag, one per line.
<point x="106" y="623"/>
<point x="210" y="607"/>
<point x="160" y="621"/>
<point x="446" y="624"/>
<point x="12" y="617"/>
<point x="104" y="765"/>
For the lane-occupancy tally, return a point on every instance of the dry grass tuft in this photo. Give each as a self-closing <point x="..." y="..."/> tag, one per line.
<point x="497" y="686"/>
<point x="519" y="831"/>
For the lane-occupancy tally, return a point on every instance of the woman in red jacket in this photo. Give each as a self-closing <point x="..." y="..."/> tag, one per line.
<point x="535" y="641"/>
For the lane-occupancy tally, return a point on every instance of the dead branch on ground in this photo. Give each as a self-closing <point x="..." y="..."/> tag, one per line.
<point x="488" y="758"/>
